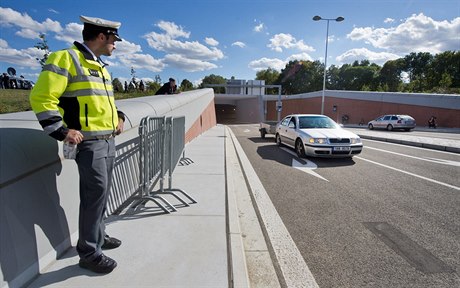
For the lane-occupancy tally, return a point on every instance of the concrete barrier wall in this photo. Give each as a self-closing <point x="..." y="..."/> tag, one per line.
<point x="39" y="189"/>
<point x="366" y="106"/>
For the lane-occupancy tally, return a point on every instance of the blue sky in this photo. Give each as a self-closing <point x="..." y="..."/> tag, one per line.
<point x="190" y="39"/>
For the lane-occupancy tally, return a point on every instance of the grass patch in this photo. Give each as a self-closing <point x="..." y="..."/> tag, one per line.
<point x="17" y="100"/>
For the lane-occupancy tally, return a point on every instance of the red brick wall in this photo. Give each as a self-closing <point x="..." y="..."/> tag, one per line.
<point x="358" y="110"/>
<point x="206" y="121"/>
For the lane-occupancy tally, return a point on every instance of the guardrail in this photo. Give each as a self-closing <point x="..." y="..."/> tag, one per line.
<point x="161" y="144"/>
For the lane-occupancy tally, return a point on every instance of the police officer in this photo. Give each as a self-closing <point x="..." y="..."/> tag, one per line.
<point x="74" y="102"/>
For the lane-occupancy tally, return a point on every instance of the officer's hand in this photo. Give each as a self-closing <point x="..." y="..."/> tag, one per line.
<point x="73" y="136"/>
<point x="120" y="126"/>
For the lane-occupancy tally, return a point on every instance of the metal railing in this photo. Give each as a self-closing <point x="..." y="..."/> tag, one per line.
<point x="161" y="144"/>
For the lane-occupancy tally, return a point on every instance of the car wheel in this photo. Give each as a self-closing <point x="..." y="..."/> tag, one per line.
<point x="390" y="127"/>
<point x="299" y="149"/>
<point x="370" y="126"/>
<point x="278" y="139"/>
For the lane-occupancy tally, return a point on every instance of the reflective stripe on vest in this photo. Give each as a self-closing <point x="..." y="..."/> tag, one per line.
<point x="78" y="87"/>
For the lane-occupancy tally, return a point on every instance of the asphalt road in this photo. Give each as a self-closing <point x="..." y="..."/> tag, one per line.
<point x="389" y="217"/>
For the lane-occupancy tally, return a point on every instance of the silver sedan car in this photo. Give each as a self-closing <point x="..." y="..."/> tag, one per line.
<point x="318" y="136"/>
<point x="392" y="122"/>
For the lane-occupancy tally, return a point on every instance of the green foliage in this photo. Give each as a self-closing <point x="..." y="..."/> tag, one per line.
<point x="117" y="86"/>
<point x="214" y="79"/>
<point x="186" y="85"/>
<point x="152" y="86"/>
<point x="427" y="73"/>
<point x="301" y="77"/>
<point x="43" y="45"/>
<point x="271" y="77"/>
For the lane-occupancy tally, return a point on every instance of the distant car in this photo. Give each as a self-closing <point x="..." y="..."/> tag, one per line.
<point x="392" y="122"/>
<point x="317" y="136"/>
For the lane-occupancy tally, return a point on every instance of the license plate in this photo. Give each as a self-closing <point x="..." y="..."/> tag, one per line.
<point x="341" y="148"/>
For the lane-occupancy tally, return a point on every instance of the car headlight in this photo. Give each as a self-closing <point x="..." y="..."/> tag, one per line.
<point x="317" y="140"/>
<point x="355" y="140"/>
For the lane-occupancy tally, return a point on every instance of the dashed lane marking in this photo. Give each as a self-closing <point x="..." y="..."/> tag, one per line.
<point x="428" y="159"/>
<point x="409" y="173"/>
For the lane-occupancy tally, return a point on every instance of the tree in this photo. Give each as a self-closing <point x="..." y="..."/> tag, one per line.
<point x="43" y="45"/>
<point x="390" y="74"/>
<point x="214" y="79"/>
<point x="152" y="86"/>
<point x="271" y="77"/>
<point x="186" y="85"/>
<point x="301" y="77"/>
<point x="416" y="65"/>
<point x="447" y="62"/>
<point x="117" y="86"/>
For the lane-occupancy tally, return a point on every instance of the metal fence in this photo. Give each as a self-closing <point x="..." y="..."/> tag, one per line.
<point x="161" y="144"/>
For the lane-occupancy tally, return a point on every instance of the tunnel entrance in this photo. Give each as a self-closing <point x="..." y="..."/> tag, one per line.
<point x="225" y="113"/>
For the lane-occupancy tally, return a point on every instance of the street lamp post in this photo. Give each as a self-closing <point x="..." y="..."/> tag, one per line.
<point x="317" y="18"/>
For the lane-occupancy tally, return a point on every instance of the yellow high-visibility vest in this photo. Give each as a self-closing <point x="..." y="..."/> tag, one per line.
<point x="74" y="91"/>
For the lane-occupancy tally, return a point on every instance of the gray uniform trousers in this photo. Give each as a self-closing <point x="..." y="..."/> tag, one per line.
<point x="95" y="160"/>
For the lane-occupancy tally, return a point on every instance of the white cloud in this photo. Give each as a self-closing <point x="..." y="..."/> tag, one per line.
<point x="22" y="58"/>
<point x="53" y="11"/>
<point x="287" y="41"/>
<point x="28" y="33"/>
<point x="265" y="63"/>
<point x="365" y="54"/>
<point x="172" y="30"/>
<point x="71" y="33"/>
<point x="141" y="61"/>
<point x="239" y="44"/>
<point x="388" y="20"/>
<point x="259" y="28"/>
<point x="3" y="43"/>
<point x="301" y="56"/>
<point x="27" y="26"/>
<point x="188" y="64"/>
<point x="417" y="33"/>
<point x="126" y="47"/>
<point x="211" y="41"/>
<point x="193" y="50"/>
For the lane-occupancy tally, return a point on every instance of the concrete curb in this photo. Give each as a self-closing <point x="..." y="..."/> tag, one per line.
<point x="291" y="267"/>
<point x="238" y="273"/>
<point x="260" y="267"/>
<point x="412" y="143"/>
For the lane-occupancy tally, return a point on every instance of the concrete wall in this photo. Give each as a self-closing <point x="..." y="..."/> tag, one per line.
<point x="39" y="189"/>
<point x="366" y="106"/>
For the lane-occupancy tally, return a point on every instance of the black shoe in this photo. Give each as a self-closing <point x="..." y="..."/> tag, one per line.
<point x="101" y="264"/>
<point x="110" y="243"/>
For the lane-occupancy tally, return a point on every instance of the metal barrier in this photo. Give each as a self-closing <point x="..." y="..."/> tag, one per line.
<point x="161" y="143"/>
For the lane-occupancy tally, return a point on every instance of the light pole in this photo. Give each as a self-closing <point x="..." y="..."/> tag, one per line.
<point x="317" y="18"/>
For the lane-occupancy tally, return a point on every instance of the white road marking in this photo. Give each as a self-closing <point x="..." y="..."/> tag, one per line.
<point x="246" y="131"/>
<point x="409" y="173"/>
<point x="433" y="160"/>
<point x="307" y="168"/>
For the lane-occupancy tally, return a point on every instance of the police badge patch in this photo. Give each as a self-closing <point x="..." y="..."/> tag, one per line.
<point x="94" y="73"/>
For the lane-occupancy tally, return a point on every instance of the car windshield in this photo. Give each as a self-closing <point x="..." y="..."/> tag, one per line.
<point x="308" y="122"/>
